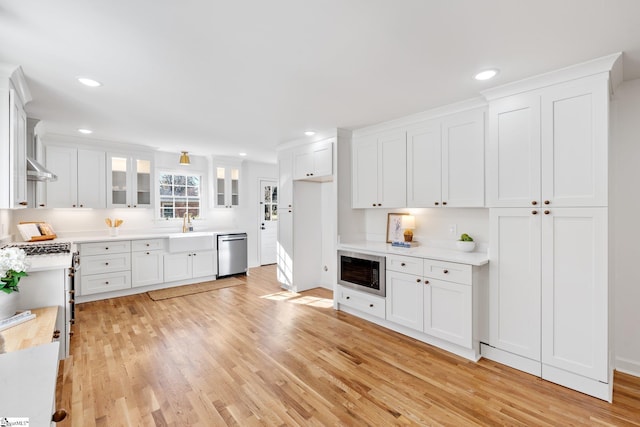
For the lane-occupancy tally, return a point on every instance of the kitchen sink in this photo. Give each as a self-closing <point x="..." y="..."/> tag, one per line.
<point x="194" y="241"/>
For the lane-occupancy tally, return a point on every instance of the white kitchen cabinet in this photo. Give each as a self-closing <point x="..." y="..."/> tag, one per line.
<point x="81" y="179"/>
<point x="367" y="303"/>
<point x="147" y="262"/>
<point x="379" y="163"/>
<point x="189" y="265"/>
<point x="314" y="162"/>
<point x="404" y="303"/>
<point x="549" y="146"/>
<point x="434" y="297"/>
<point x="575" y="291"/>
<point x="227" y="188"/>
<point x="448" y="311"/>
<point x="445" y="162"/>
<point x="13" y="139"/>
<point x="515" y="287"/>
<point x="129" y="180"/>
<point x="549" y="290"/>
<point x="105" y="267"/>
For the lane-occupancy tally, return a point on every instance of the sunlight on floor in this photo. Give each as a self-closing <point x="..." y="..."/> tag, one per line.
<point x="297" y="298"/>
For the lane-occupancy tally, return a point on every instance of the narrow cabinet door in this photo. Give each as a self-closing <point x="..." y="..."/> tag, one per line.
<point x="424" y="166"/>
<point x="513" y="152"/>
<point x="575" y="291"/>
<point x="62" y="193"/>
<point x="575" y="143"/>
<point x="392" y="166"/>
<point x="404" y="299"/>
<point x="448" y="311"/>
<point x="92" y="179"/>
<point x="514" y="291"/>
<point x="463" y="160"/>
<point x="365" y="173"/>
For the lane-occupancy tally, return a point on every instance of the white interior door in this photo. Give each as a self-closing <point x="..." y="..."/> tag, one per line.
<point x="268" y="221"/>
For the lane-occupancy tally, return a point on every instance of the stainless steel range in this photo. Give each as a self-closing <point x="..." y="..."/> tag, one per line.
<point x="42" y="248"/>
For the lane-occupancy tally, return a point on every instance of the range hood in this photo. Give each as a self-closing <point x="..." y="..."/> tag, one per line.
<point x="37" y="172"/>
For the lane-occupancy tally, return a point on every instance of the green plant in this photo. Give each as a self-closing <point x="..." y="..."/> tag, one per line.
<point x="465" y="238"/>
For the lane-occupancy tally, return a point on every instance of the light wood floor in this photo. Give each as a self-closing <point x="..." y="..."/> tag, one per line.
<point x="254" y="355"/>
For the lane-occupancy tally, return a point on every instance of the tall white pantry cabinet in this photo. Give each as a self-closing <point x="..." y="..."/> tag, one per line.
<point x="547" y="179"/>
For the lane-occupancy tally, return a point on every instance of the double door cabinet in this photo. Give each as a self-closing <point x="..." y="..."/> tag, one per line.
<point x="547" y="189"/>
<point x="314" y="162"/>
<point x="437" y="163"/>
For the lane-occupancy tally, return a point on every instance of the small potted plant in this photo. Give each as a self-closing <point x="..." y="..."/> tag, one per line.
<point x="465" y="243"/>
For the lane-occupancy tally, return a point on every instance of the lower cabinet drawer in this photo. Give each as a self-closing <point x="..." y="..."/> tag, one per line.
<point x="97" y="283"/>
<point x="449" y="271"/>
<point x="96" y="264"/>
<point x="370" y="304"/>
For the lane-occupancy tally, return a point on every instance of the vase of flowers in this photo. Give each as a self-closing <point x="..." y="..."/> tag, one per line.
<point x="13" y="267"/>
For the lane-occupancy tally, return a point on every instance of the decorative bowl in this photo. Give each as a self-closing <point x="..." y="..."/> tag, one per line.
<point x="465" y="246"/>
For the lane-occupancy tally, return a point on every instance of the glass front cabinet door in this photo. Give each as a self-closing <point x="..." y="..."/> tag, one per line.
<point x="129" y="181"/>
<point x="227" y="186"/>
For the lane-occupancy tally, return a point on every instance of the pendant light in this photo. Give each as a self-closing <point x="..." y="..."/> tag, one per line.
<point x="184" y="159"/>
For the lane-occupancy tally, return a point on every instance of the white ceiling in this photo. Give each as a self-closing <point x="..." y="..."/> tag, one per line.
<point x="220" y="77"/>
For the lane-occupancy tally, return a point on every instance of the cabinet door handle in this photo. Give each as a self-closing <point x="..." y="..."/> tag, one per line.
<point x="436" y="203"/>
<point x="348" y="297"/>
<point x="403" y="264"/>
<point x="446" y="271"/>
<point x="444" y="203"/>
<point x="547" y="212"/>
<point x="148" y="245"/>
<point x="106" y="249"/>
<point x="379" y="204"/>
<point x="23" y="203"/>
<point x="418" y="280"/>
<point x="72" y="301"/>
<point x="546" y="202"/>
<point x="371" y="305"/>
<point x="106" y="283"/>
<point x="147" y="253"/>
<point x="73" y="206"/>
<point x="373" y="204"/>
<point x="106" y="263"/>
<point x="534" y="212"/>
<point x="426" y="282"/>
<point x="41" y="205"/>
<point x="195" y="254"/>
<point x="534" y="202"/>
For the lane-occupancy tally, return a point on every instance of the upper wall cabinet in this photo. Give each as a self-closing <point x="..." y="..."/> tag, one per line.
<point x="81" y="179"/>
<point x="314" y="162"/>
<point x="549" y="146"/>
<point x="379" y="164"/>
<point x="445" y="162"/>
<point x="13" y="139"/>
<point x="227" y="188"/>
<point x="129" y="181"/>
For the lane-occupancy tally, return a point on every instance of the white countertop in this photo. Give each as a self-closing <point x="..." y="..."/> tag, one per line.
<point x="440" y="254"/>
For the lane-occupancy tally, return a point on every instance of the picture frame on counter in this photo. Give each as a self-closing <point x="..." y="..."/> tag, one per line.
<point x="394" y="227"/>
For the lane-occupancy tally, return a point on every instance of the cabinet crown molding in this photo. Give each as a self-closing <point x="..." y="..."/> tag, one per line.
<point x="15" y="74"/>
<point x="611" y="64"/>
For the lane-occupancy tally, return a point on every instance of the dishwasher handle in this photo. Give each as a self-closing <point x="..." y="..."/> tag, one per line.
<point x="231" y="238"/>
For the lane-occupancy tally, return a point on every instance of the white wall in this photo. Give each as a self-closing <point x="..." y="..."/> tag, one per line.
<point x="626" y="224"/>
<point x="433" y="224"/>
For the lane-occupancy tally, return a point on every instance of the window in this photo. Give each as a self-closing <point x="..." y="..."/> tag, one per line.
<point x="179" y="194"/>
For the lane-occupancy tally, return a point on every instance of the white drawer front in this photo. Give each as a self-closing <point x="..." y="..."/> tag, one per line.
<point x="105" y="263"/>
<point x="404" y="264"/>
<point x="147" y="245"/>
<point x="108" y="247"/>
<point x="371" y="304"/>
<point x="98" y="283"/>
<point x="449" y="271"/>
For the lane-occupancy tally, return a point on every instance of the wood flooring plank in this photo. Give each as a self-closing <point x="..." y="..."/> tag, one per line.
<point x="257" y="355"/>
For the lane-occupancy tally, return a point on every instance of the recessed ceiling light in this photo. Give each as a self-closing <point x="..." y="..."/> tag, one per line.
<point x="89" y="82"/>
<point x="85" y="131"/>
<point x="487" y="74"/>
<point x="310" y="133"/>
<point x="242" y="154"/>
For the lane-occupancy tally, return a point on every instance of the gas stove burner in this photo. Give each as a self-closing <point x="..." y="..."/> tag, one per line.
<point x="49" y="248"/>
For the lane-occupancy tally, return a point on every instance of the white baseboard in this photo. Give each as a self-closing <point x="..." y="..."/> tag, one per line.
<point x="628" y="366"/>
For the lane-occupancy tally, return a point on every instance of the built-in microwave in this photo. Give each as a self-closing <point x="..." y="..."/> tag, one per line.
<point x="363" y="272"/>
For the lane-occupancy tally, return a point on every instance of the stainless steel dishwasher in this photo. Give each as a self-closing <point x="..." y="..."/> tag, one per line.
<point x="232" y="254"/>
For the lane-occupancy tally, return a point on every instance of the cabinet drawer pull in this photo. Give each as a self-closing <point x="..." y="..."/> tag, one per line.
<point x="59" y="415"/>
<point x="534" y="203"/>
<point x="106" y="249"/>
<point x="436" y="203"/>
<point x="546" y="202"/>
<point x="446" y="271"/>
<point x="41" y="205"/>
<point x="444" y="203"/>
<point x="106" y="263"/>
<point x="534" y="212"/>
<point x="371" y="305"/>
<point x="426" y="282"/>
<point x="73" y="206"/>
<point x="72" y="291"/>
<point x="418" y="280"/>
<point x="402" y="264"/>
<point x="148" y="245"/>
<point x="70" y="333"/>
<point x="547" y="212"/>
<point x="106" y="283"/>
<point x="148" y="253"/>
<point x="71" y="301"/>
<point x="348" y="297"/>
<point x="379" y="204"/>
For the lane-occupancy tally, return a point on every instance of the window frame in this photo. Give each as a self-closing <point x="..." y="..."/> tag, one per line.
<point x="202" y="199"/>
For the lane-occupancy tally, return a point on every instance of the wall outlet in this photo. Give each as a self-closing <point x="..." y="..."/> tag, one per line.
<point x="453" y="230"/>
